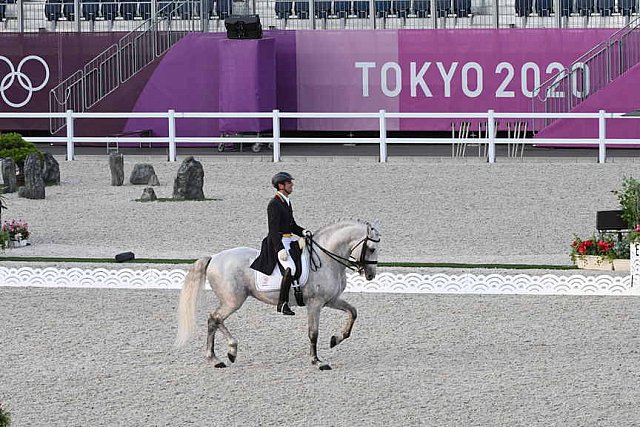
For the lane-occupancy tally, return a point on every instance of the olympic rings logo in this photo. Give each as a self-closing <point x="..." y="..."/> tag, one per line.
<point x="16" y="74"/>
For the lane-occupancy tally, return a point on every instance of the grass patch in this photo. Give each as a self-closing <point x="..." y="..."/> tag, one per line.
<point x="381" y="264"/>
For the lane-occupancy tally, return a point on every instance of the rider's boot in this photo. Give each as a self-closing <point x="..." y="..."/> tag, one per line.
<point x="283" y="300"/>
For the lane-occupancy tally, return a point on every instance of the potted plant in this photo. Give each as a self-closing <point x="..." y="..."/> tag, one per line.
<point x="17" y="232"/>
<point x="5" y="417"/>
<point x="629" y="198"/>
<point x="595" y="253"/>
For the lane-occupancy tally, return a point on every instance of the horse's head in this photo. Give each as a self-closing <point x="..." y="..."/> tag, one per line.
<point x="368" y="253"/>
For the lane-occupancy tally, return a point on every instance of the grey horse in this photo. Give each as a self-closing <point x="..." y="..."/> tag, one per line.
<point x="346" y="244"/>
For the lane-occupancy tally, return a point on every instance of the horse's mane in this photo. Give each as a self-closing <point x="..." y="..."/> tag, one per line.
<point x="343" y="223"/>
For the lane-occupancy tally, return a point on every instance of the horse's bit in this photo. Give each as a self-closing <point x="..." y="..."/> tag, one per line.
<point x="351" y="263"/>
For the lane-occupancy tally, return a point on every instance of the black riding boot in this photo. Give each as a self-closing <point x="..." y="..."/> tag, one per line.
<point x="283" y="300"/>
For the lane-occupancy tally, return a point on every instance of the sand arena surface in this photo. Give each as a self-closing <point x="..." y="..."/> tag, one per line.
<point x="87" y="357"/>
<point x="430" y="210"/>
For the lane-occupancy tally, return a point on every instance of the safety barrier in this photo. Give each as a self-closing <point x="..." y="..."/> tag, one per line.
<point x="277" y="140"/>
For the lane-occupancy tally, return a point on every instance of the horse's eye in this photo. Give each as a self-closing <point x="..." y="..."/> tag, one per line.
<point x="373" y="250"/>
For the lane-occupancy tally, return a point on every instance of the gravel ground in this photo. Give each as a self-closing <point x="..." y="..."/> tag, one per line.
<point x="83" y="357"/>
<point x="430" y="210"/>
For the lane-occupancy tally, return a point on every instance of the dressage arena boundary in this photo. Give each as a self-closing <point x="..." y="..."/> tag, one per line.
<point x="385" y="282"/>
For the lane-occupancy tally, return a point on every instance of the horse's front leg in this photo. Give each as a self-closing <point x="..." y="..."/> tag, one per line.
<point x="340" y="304"/>
<point x="313" y="318"/>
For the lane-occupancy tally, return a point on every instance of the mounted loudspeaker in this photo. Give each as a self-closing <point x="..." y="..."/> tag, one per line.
<point x="243" y="27"/>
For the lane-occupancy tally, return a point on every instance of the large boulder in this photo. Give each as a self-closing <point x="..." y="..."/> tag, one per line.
<point x="33" y="182"/>
<point x="189" y="181"/>
<point x="116" y="166"/>
<point x="141" y="174"/>
<point x="148" y="195"/>
<point x="9" y="176"/>
<point x="50" y="170"/>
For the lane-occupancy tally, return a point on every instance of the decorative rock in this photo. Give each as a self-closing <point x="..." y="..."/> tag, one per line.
<point x="141" y="173"/>
<point x="50" y="170"/>
<point x="148" y="195"/>
<point x="9" y="176"/>
<point x="116" y="165"/>
<point x="33" y="182"/>
<point x="189" y="181"/>
<point x="154" y="180"/>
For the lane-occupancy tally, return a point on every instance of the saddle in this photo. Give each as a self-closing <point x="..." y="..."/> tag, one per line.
<point x="300" y="259"/>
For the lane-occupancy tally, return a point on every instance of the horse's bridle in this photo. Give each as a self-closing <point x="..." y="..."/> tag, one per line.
<point x="351" y="263"/>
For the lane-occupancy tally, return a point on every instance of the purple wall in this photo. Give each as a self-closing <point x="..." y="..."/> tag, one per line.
<point x="330" y="71"/>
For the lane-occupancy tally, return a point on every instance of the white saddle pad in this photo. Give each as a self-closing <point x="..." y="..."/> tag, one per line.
<point x="271" y="283"/>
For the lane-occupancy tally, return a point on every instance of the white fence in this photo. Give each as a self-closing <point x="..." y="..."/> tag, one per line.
<point x="383" y="140"/>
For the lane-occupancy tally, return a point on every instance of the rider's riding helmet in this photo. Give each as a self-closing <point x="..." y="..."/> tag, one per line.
<point x="280" y="178"/>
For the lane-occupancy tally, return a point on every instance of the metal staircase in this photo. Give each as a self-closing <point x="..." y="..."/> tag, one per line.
<point x="120" y="62"/>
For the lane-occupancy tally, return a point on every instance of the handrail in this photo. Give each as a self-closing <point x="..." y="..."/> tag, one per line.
<point x="491" y="117"/>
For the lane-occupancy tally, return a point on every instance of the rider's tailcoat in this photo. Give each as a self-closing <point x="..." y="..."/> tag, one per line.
<point x="280" y="218"/>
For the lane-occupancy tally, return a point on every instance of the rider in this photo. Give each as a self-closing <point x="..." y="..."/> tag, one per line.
<point x="275" y="246"/>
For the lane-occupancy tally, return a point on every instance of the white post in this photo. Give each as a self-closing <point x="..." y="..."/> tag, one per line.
<point x="602" y="135"/>
<point x="383" y="137"/>
<point x="491" y="131"/>
<point x="172" y="135"/>
<point x="70" y="132"/>
<point x="276" y="136"/>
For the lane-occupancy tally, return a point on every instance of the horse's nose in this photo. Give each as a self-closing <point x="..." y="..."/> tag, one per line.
<point x="370" y="276"/>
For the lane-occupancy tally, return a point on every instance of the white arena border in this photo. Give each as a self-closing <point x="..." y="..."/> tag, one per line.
<point x="439" y="283"/>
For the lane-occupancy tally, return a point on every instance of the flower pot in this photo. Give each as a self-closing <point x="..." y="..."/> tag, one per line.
<point x="18" y="243"/>
<point x="594" y="262"/>
<point x="622" y="264"/>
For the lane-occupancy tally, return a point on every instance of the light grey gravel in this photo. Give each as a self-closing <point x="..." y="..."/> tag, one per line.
<point x="82" y="357"/>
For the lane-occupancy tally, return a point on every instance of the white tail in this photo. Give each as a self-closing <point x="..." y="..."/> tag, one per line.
<point x="194" y="281"/>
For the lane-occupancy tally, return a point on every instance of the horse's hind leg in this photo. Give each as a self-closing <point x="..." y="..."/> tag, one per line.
<point x="340" y="304"/>
<point x="215" y="322"/>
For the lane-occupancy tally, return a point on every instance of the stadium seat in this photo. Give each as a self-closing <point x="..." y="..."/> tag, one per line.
<point x="53" y="10"/>
<point x="3" y="10"/>
<point x="323" y="9"/>
<point x="90" y="9"/>
<point x="383" y="8"/>
<point x="443" y="8"/>
<point x="223" y="9"/>
<point x="188" y="10"/>
<point x="462" y="8"/>
<point x="283" y="9"/>
<point x="342" y="8"/>
<point x="524" y="7"/>
<point x="627" y="7"/>
<point x="402" y="8"/>
<point x="166" y="8"/>
<point x="301" y="9"/>
<point x="108" y="9"/>
<point x="68" y="9"/>
<point x="361" y="8"/>
<point x="145" y="9"/>
<point x="584" y="7"/>
<point x="545" y="7"/>
<point x="422" y="8"/>
<point x="605" y="7"/>
<point x="128" y="9"/>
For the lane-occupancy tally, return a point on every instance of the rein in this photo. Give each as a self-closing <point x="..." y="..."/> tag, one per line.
<point x="351" y="263"/>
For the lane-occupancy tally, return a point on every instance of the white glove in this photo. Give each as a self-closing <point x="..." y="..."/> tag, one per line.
<point x="282" y="255"/>
<point x="307" y="233"/>
<point x="301" y="243"/>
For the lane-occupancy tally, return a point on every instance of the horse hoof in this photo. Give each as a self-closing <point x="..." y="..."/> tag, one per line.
<point x="232" y="357"/>
<point x="324" y="367"/>
<point x="220" y="365"/>
<point x="334" y="341"/>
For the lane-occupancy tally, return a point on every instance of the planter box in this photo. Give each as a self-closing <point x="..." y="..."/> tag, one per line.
<point x="594" y="262"/>
<point x="18" y="243"/>
<point x="622" y="264"/>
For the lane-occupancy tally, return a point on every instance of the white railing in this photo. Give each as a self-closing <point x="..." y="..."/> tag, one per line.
<point x="381" y="117"/>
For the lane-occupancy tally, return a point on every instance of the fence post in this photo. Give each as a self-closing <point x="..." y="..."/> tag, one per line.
<point x="491" y="134"/>
<point x="383" y="137"/>
<point x="602" y="135"/>
<point x="70" y="133"/>
<point x="172" y="135"/>
<point x="276" y="136"/>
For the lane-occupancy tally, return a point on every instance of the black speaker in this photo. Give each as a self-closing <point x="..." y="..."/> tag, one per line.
<point x="610" y="220"/>
<point x="243" y="27"/>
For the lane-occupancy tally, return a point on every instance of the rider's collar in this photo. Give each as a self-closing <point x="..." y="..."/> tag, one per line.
<point x="283" y="197"/>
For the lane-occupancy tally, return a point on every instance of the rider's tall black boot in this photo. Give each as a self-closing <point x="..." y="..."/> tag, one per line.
<point x="283" y="300"/>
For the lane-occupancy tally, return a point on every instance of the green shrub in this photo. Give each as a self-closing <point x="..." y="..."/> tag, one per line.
<point x="629" y="198"/>
<point x="12" y="146"/>
<point x="5" y="417"/>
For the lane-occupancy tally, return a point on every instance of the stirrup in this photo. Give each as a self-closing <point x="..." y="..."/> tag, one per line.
<point x="284" y="309"/>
